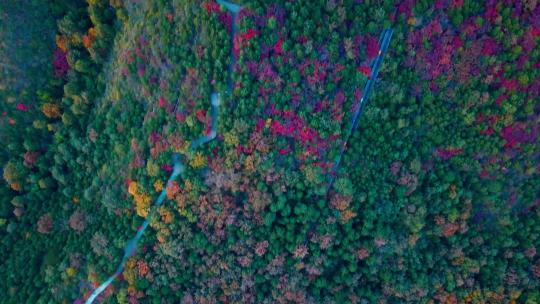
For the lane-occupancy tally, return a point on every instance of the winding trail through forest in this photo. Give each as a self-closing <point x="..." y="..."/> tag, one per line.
<point x="215" y="100"/>
<point x="233" y="9"/>
<point x="178" y="169"/>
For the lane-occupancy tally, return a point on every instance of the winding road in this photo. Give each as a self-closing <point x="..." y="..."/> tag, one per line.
<point x="215" y="100"/>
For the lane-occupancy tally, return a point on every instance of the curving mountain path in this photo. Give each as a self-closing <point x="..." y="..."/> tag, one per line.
<point x="215" y="100"/>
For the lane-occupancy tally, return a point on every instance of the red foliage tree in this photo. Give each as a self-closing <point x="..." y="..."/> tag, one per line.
<point x="372" y="47"/>
<point x="60" y="63"/>
<point x="77" y="221"/>
<point x="45" y="224"/>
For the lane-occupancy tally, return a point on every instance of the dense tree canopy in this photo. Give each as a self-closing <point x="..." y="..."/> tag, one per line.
<point x="436" y="198"/>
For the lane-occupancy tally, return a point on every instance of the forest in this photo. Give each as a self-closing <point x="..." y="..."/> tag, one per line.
<point x="257" y="151"/>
